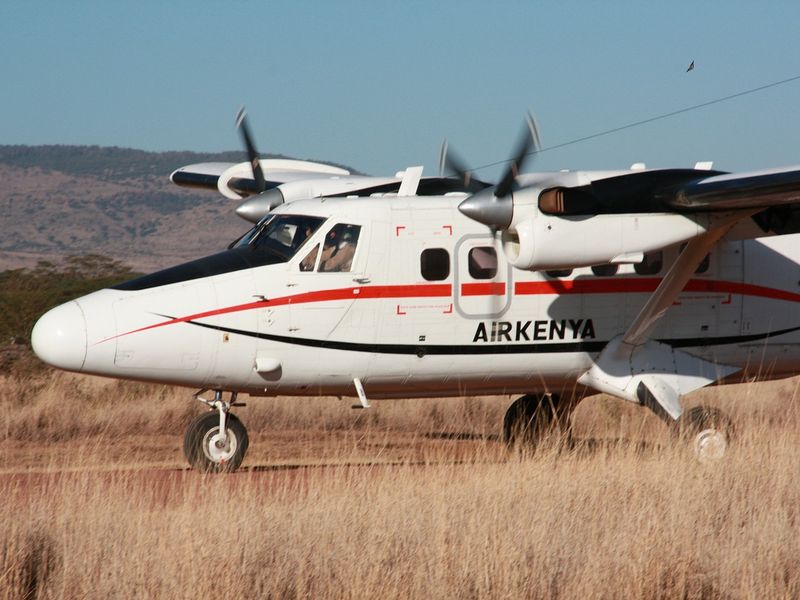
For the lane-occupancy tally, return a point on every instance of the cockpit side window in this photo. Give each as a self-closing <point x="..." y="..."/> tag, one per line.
<point x="339" y="248"/>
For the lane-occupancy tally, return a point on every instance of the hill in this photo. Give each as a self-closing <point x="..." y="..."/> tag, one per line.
<point x="58" y="201"/>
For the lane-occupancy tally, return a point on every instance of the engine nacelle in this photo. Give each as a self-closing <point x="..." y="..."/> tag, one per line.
<point x="544" y="242"/>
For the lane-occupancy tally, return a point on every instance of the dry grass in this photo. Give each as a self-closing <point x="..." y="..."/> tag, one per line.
<point x="422" y="502"/>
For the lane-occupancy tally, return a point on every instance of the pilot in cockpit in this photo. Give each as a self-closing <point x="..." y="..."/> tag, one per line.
<point x="339" y="249"/>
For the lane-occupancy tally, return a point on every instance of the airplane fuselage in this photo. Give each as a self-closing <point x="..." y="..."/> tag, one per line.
<point x="427" y="306"/>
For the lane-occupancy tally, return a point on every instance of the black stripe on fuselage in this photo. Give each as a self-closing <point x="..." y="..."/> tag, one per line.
<point x="486" y="348"/>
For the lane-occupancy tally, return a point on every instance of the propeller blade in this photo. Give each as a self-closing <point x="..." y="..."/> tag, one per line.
<point x="529" y="139"/>
<point x="252" y="153"/>
<point x="451" y="162"/>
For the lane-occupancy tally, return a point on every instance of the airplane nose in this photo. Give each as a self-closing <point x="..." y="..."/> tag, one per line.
<point x="59" y="337"/>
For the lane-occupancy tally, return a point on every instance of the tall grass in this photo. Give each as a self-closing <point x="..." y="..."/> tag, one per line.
<point x="373" y="504"/>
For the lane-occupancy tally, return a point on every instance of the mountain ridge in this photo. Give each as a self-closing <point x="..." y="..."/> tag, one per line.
<point x="62" y="200"/>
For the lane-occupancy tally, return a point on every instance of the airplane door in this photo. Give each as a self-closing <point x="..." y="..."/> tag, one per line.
<point x="324" y="279"/>
<point x="483" y="280"/>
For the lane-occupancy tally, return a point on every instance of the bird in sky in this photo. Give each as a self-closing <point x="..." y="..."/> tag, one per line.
<point x="691" y="67"/>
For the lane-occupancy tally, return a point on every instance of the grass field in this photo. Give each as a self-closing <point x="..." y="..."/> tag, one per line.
<point x="408" y="499"/>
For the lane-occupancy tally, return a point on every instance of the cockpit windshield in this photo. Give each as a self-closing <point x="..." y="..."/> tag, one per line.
<point x="275" y="239"/>
<point x="281" y="235"/>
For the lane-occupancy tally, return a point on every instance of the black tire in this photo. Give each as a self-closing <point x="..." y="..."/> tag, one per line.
<point x="531" y="418"/>
<point x="191" y="432"/>
<point x="197" y="449"/>
<point x="709" y="426"/>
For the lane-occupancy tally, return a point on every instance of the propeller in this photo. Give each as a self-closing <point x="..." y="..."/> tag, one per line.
<point x="493" y="206"/>
<point x="252" y="153"/>
<point x="264" y="200"/>
<point x="451" y="163"/>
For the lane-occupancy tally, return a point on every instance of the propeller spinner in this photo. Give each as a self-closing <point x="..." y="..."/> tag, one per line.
<point x="494" y="206"/>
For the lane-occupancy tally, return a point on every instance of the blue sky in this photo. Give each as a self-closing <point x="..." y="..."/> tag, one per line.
<point x="378" y="85"/>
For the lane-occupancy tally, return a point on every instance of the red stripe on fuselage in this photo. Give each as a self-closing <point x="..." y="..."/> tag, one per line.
<point x="483" y="289"/>
<point x="587" y="286"/>
<point x="521" y="288"/>
<point x="646" y="285"/>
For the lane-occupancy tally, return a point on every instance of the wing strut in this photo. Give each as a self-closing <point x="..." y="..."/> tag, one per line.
<point x="636" y="368"/>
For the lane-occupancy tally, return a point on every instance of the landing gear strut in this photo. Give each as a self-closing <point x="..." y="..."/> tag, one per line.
<point x="532" y="418"/>
<point x="216" y="441"/>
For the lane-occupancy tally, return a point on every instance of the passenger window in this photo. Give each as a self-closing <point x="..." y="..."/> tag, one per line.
<point x="339" y="249"/>
<point x="307" y="264"/>
<point x="559" y="273"/>
<point x="605" y="270"/>
<point x="704" y="264"/>
<point x="482" y="262"/>
<point x="434" y="264"/>
<point x="652" y="263"/>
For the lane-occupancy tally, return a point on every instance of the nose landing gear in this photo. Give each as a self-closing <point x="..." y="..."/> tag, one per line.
<point x="216" y="441"/>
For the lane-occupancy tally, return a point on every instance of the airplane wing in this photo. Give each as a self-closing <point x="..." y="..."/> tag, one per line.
<point x="677" y="190"/>
<point x="285" y="180"/>
<point x="200" y="175"/>
<point x="733" y="191"/>
<point x="236" y="180"/>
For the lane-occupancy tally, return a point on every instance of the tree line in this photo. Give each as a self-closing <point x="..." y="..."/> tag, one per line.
<point x="26" y="294"/>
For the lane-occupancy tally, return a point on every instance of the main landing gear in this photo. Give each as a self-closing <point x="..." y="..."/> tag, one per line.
<point x="532" y="418"/>
<point x="708" y="429"/>
<point x="216" y="441"/>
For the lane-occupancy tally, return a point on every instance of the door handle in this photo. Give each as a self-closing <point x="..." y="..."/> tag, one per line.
<point x="361" y="279"/>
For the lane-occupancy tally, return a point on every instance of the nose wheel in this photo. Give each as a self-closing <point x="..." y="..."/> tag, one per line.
<point x="216" y="441"/>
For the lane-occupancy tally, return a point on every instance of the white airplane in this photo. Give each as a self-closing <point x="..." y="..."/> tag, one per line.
<point x="642" y="284"/>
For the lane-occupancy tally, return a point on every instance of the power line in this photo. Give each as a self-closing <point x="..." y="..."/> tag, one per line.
<point x="648" y="120"/>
